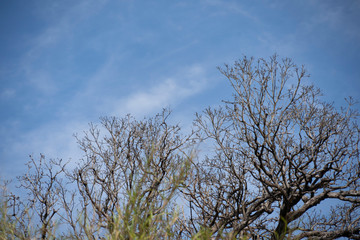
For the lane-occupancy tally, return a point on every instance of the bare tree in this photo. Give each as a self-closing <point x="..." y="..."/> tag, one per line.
<point x="34" y="213"/>
<point x="124" y="187"/>
<point x="280" y="157"/>
<point x="280" y="153"/>
<point x="129" y="167"/>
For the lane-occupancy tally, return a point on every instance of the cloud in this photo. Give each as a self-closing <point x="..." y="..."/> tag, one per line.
<point x="43" y="81"/>
<point x="170" y="91"/>
<point x="7" y="93"/>
<point x="231" y="6"/>
<point x="55" y="40"/>
<point x="270" y="43"/>
<point x="83" y="98"/>
<point x="335" y="16"/>
<point x="54" y="140"/>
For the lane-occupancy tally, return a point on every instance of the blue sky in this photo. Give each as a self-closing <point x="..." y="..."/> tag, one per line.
<point x="65" y="63"/>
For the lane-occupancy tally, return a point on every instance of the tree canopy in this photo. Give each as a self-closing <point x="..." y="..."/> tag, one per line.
<point x="282" y="163"/>
<point x="280" y="154"/>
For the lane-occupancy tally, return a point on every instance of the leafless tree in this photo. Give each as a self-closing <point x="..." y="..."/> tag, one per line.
<point x="39" y="202"/>
<point x="124" y="187"/>
<point x="129" y="164"/>
<point x="281" y="154"/>
<point x="282" y="163"/>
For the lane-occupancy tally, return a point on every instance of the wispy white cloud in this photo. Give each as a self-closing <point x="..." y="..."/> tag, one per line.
<point x="42" y="81"/>
<point x="231" y="6"/>
<point x="58" y="33"/>
<point x="7" y="93"/>
<point x="270" y="43"/>
<point x="342" y="18"/>
<point x="54" y="140"/>
<point x="170" y="91"/>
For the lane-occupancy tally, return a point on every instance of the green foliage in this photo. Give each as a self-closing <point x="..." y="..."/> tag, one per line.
<point x="7" y="227"/>
<point x="203" y="234"/>
<point x="139" y="219"/>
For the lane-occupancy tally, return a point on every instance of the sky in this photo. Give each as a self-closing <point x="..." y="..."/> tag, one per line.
<point x="64" y="64"/>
